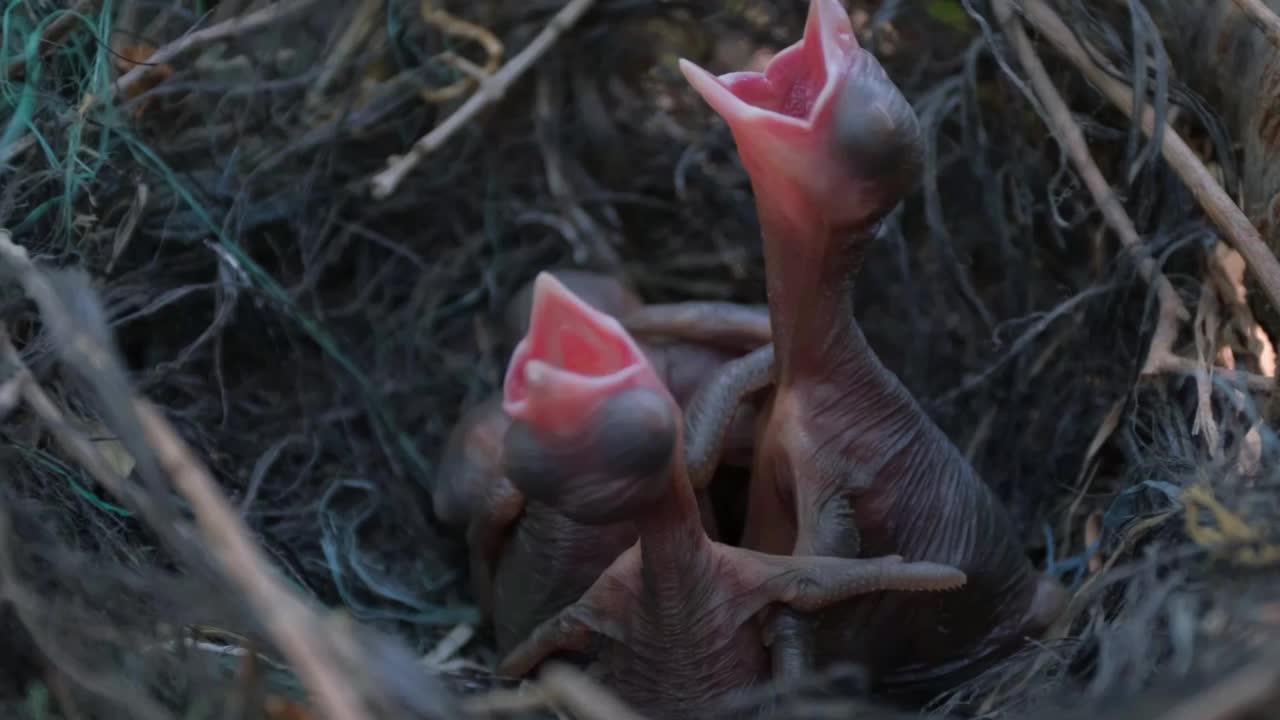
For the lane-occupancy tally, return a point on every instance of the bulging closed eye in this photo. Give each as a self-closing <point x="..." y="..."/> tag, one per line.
<point x="617" y="466"/>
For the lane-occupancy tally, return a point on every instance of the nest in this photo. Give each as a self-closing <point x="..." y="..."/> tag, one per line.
<point x="190" y="196"/>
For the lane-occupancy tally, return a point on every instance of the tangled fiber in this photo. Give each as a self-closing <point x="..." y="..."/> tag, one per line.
<point x="193" y="179"/>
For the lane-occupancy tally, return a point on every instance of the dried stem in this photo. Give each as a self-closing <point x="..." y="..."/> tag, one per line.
<point x="490" y="91"/>
<point x="201" y="38"/>
<point x="363" y="21"/>
<point x="75" y="443"/>
<point x="292" y="623"/>
<point x="1171" y="363"/>
<point x="1072" y="138"/>
<point x="285" y="616"/>
<point x="1262" y="17"/>
<point x="1224" y="213"/>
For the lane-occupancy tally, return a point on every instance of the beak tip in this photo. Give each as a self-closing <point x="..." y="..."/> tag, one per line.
<point x="549" y="292"/>
<point x="694" y="74"/>
<point x="715" y="92"/>
<point x="830" y="26"/>
<point x="545" y="282"/>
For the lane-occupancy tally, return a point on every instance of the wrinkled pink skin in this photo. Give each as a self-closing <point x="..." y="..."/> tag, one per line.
<point x="673" y="624"/>
<point x="847" y="463"/>
<point x="526" y="560"/>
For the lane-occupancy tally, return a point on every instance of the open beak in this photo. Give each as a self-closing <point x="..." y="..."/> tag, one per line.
<point x="572" y="359"/>
<point x="822" y="130"/>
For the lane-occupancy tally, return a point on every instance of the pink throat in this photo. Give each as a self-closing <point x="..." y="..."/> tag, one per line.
<point x="573" y="358"/>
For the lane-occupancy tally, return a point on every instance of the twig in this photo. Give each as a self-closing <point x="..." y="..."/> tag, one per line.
<point x="1224" y="213"/>
<point x="1262" y="18"/>
<point x="1254" y="382"/>
<point x="193" y="41"/>
<point x="1072" y="139"/>
<point x="74" y="443"/>
<point x="292" y="623"/>
<point x="489" y="92"/>
<point x="1206" y="342"/>
<point x="227" y="9"/>
<point x="362" y="22"/>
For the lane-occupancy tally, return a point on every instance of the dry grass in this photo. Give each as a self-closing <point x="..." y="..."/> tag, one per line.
<point x="312" y="344"/>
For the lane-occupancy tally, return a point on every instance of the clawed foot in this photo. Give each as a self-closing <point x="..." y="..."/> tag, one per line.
<point x="801" y="585"/>
<point x="743" y="584"/>
<point x="810" y="583"/>
<point x="599" y="611"/>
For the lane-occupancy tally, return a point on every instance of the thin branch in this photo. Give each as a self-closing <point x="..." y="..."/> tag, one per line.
<point x="292" y="623"/>
<point x="193" y="41"/>
<point x="1072" y="138"/>
<point x="1224" y="213"/>
<point x="362" y="22"/>
<point x="490" y="91"/>
<point x="1262" y="18"/>
<point x="75" y="443"/>
<point x="1171" y="363"/>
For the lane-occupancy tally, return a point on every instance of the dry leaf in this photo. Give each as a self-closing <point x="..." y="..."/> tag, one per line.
<point x="120" y="460"/>
<point x="132" y="56"/>
<point x="279" y="708"/>
<point x="1249" y="461"/>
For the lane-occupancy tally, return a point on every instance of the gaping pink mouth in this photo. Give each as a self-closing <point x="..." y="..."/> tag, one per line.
<point x="822" y="131"/>
<point x="572" y="358"/>
<point x="796" y="87"/>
